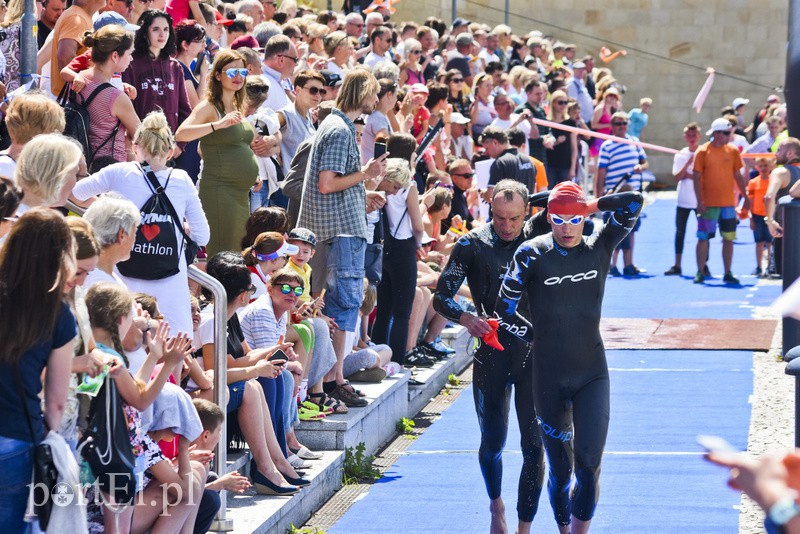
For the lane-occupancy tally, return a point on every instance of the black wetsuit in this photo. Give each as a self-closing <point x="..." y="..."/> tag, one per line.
<point x="570" y="374"/>
<point x="483" y="258"/>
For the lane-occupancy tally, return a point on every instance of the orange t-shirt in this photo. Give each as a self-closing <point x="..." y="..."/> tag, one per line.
<point x="541" y="175"/>
<point x="718" y="167"/>
<point x="70" y="25"/>
<point x="756" y="189"/>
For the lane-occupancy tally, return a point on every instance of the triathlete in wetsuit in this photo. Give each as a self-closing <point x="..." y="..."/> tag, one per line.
<point x="482" y="257"/>
<point x="563" y="275"/>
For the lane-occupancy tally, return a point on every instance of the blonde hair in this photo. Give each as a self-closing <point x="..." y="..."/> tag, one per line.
<point x="397" y="172"/>
<point x="359" y="84"/>
<point x="316" y="30"/>
<point x="370" y="298"/>
<point x="31" y="114"/>
<point x="14" y="11"/>
<point x="154" y="136"/>
<point x="44" y="164"/>
<point x="479" y="79"/>
<point x="333" y="41"/>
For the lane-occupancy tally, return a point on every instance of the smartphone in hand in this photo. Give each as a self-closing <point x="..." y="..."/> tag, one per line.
<point x="279" y="355"/>
<point x="380" y="149"/>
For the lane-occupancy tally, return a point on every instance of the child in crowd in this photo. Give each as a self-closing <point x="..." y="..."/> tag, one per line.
<point x="266" y="255"/>
<point x="212" y="417"/>
<point x="368" y="362"/>
<point x="111" y="315"/>
<point x="756" y="189"/>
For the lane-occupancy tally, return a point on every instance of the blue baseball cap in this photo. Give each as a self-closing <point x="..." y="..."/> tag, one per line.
<point x="112" y="17"/>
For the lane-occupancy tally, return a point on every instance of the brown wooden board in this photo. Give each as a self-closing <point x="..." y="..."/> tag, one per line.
<point x="688" y="334"/>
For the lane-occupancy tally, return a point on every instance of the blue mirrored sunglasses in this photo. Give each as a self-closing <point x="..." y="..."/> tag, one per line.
<point x="233" y="73"/>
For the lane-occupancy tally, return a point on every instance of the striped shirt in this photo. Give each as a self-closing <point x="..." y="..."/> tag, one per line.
<point x="618" y="159"/>
<point x="103" y="121"/>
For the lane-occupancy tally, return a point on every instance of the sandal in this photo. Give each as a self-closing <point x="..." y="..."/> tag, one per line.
<point x="309" y="405"/>
<point x="326" y="401"/>
<point x="309" y="415"/>
<point x="348" y="386"/>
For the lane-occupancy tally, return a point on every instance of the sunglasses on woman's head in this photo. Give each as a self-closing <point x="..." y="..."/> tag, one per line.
<point x="233" y="73"/>
<point x="559" y="221"/>
<point x="286" y="289"/>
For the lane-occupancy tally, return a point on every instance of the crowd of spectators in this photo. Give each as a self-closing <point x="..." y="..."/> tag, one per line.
<point x="320" y="166"/>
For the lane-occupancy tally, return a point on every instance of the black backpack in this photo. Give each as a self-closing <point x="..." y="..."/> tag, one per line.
<point x="106" y="445"/>
<point x="77" y="118"/>
<point x="156" y="253"/>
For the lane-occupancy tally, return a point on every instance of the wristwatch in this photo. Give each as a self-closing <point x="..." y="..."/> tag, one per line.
<point x="783" y="511"/>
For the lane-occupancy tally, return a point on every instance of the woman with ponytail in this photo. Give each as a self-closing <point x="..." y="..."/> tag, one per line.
<point x="111" y="111"/>
<point x="268" y="254"/>
<point x="153" y="145"/>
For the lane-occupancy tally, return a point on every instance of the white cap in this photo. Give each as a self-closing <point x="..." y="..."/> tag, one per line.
<point x="719" y="125"/>
<point x="426" y="239"/>
<point x="458" y="118"/>
<point x="739" y="102"/>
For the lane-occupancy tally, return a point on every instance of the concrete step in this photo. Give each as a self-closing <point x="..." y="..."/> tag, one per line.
<point x="263" y="514"/>
<point x="435" y="378"/>
<point x="374" y="424"/>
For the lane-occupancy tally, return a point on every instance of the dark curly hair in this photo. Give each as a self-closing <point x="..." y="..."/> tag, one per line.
<point x="141" y="42"/>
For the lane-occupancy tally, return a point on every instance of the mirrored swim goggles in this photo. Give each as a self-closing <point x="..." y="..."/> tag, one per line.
<point x="559" y="221"/>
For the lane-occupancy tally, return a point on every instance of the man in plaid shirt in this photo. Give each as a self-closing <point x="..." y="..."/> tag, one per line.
<point x="334" y="207"/>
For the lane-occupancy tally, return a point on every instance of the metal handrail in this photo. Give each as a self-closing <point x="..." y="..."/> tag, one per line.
<point x="222" y="523"/>
<point x="206" y="281"/>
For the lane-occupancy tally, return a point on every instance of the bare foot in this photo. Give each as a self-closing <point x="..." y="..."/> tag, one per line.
<point x="524" y="528"/>
<point x="498" y="511"/>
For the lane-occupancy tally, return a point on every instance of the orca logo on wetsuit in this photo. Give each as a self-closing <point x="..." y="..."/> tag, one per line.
<point x="579" y="277"/>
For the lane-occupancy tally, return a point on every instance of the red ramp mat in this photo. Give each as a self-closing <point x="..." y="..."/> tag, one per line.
<point x="688" y="334"/>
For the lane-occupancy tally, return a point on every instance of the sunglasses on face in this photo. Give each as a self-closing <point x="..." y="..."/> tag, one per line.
<point x="314" y="91"/>
<point x="464" y="174"/>
<point x="724" y="133"/>
<point x="251" y="289"/>
<point x="619" y="123"/>
<point x="457" y="80"/>
<point x="559" y="221"/>
<point x="561" y="102"/>
<point x="293" y="58"/>
<point x="416" y="52"/>
<point x="286" y="289"/>
<point x="257" y="89"/>
<point x="233" y="73"/>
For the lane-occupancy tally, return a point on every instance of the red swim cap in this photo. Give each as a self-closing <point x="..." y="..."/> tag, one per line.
<point x="567" y="198"/>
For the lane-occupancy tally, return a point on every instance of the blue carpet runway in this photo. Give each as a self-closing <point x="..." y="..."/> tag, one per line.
<point x="654" y="479"/>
